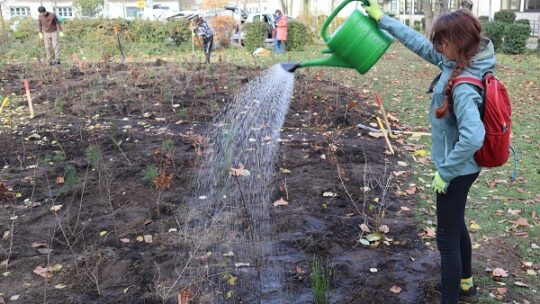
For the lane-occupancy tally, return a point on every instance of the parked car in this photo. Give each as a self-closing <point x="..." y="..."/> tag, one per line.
<point x="266" y="17"/>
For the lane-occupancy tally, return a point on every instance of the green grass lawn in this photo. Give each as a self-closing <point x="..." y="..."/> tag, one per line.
<point x="495" y="203"/>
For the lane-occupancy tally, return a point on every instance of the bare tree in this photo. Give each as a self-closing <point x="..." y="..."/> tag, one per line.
<point x="2" y="24"/>
<point x="432" y="10"/>
<point x="285" y="7"/>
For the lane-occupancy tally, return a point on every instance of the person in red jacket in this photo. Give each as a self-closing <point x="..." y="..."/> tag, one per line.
<point x="280" y="32"/>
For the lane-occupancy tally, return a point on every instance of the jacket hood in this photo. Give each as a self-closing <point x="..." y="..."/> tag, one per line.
<point x="484" y="60"/>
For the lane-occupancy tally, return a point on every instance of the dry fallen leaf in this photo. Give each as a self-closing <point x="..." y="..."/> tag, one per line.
<point x="329" y="194"/>
<point x="240" y="171"/>
<point x="185" y="296"/>
<point x="395" y="289"/>
<point x="125" y="240"/>
<point x="55" y="208"/>
<point x="514" y="211"/>
<point x="364" y="227"/>
<point x="148" y="238"/>
<point x="499" y="273"/>
<point x="60" y="180"/>
<point x="520" y="284"/>
<point x="521" y="222"/>
<point x="428" y="233"/>
<point x="281" y="202"/>
<point x="411" y="190"/>
<point x="384" y="229"/>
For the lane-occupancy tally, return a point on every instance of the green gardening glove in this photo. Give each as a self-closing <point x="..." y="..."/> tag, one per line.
<point x="41" y="35"/>
<point x="373" y="10"/>
<point x="439" y="185"/>
<point x="61" y="34"/>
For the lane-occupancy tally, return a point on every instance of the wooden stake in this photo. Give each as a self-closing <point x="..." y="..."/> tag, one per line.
<point x="385" y="135"/>
<point x="387" y="123"/>
<point x="4" y="104"/>
<point x="29" y="97"/>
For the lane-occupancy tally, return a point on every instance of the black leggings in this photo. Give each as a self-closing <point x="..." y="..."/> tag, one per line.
<point x="208" y="44"/>
<point x="453" y="238"/>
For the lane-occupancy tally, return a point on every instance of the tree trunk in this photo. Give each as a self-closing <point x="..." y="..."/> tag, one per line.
<point x="285" y="7"/>
<point x="432" y="10"/>
<point x="428" y="14"/>
<point x="2" y="24"/>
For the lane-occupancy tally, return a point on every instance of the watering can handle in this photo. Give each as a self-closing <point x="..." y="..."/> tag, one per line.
<point x="324" y="34"/>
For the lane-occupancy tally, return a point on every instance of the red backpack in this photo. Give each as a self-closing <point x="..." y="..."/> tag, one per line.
<point x="496" y="118"/>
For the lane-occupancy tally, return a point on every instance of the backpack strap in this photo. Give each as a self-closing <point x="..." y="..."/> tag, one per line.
<point x="466" y="79"/>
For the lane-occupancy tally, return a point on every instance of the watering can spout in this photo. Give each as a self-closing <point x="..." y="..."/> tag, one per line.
<point x="332" y="60"/>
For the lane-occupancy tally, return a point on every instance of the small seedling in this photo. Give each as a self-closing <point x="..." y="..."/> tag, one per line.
<point x="58" y="106"/>
<point x="167" y="146"/>
<point x="150" y="173"/>
<point x="182" y="113"/>
<point x="93" y="156"/>
<point x="319" y="281"/>
<point x="71" y="179"/>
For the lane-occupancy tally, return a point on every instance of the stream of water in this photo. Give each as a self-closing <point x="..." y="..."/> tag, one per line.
<point x="229" y="228"/>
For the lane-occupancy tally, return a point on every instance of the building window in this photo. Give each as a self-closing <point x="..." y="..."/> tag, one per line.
<point x="510" y="5"/>
<point x="454" y="5"/>
<point x="132" y="12"/>
<point x="532" y="5"/>
<point x="19" y="11"/>
<point x="65" y="12"/>
<point x="393" y="6"/>
<point x="418" y="7"/>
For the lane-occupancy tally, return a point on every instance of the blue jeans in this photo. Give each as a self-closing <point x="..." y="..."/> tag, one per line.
<point x="279" y="46"/>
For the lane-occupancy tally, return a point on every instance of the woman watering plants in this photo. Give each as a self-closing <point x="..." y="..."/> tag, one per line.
<point x="455" y="45"/>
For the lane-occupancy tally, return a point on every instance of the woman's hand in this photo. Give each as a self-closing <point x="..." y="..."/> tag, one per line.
<point x="374" y="10"/>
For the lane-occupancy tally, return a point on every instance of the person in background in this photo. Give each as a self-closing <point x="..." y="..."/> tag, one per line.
<point x="50" y="30"/>
<point x="467" y="4"/>
<point x="456" y="46"/>
<point x="280" y="32"/>
<point x="203" y="30"/>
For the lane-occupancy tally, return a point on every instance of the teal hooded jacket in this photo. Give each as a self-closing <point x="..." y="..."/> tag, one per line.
<point x="459" y="134"/>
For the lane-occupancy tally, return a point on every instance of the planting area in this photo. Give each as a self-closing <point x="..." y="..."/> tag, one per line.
<point x="95" y="191"/>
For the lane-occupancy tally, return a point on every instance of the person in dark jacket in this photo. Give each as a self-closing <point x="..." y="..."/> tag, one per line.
<point x="203" y="30"/>
<point x="50" y="30"/>
<point x="455" y="46"/>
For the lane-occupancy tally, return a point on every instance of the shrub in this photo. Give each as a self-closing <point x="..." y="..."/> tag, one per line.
<point x="223" y="27"/>
<point x="494" y="30"/>
<point x="505" y="16"/>
<point x="254" y="35"/>
<point x="515" y="38"/>
<point x="524" y="21"/>
<point x="417" y="25"/>
<point x="24" y="28"/>
<point x="297" y="36"/>
<point x="407" y="22"/>
<point x="483" y="19"/>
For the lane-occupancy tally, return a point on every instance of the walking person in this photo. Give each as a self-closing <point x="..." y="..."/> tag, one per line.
<point x="203" y="30"/>
<point x="456" y="46"/>
<point x="280" y="32"/>
<point x="50" y="30"/>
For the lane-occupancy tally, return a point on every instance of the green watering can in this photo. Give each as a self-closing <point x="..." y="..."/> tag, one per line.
<point x="358" y="43"/>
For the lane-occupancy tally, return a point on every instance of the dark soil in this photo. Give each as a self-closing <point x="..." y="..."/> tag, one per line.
<point x="101" y="126"/>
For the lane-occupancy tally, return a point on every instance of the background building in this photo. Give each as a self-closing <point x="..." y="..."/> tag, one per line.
<point x="158" y="9"/>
